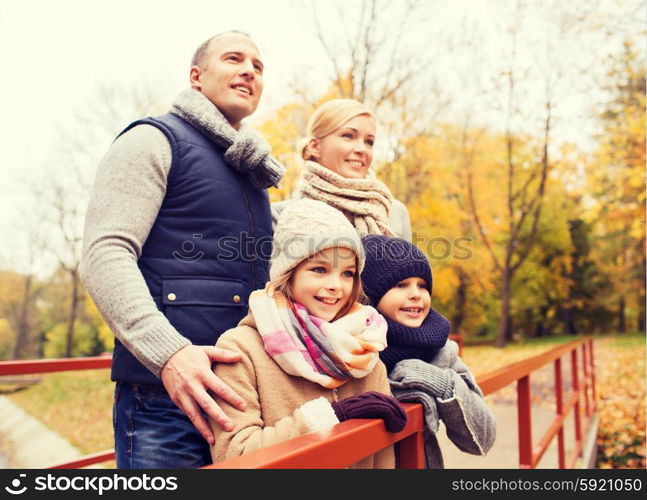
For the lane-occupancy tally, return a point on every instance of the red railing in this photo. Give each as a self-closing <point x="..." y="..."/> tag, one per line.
<point x="582" y="390"/>
<point x="350" y="441"/>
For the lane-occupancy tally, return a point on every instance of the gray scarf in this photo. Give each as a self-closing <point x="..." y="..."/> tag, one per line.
<point x="245" y="150"/>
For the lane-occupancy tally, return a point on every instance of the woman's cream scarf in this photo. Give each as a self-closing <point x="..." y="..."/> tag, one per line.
<point x="366" y="202"/>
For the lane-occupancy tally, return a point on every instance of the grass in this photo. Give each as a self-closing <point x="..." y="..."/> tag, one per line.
<point x="78" y="405"/>
<point x="479" y="341"/>
<point x="484" y="359"/>
<point x="629" y="340"/>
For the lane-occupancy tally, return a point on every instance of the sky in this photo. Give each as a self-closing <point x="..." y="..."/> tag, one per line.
<point x="55" y="55"/>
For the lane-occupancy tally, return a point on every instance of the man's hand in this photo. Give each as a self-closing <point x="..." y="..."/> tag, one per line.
<point x="187" y="376"/>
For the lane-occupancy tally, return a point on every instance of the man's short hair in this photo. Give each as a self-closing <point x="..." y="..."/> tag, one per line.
<point x="200" y="55"/>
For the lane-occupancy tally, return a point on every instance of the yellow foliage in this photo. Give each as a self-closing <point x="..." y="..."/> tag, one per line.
<point x="617" y="185"/>
<point x="621" y="404"/>
<point x="105" y="335"/>
<point x="7" y="338"/>
<point x="285" y="132"/>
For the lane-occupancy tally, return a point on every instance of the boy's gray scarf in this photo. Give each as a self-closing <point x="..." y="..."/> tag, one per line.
<point x="245" y="150"/>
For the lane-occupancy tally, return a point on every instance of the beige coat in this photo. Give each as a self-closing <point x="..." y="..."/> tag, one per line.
<point x="281" y="406"/>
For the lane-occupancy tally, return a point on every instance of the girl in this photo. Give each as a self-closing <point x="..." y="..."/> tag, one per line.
<point x="309" y="351"/>
<point x="423" y="365"/>
<point x="338" y="154"/>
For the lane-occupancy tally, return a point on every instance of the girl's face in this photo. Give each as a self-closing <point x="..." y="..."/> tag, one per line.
<point x="407" y="303"/>
<point x="348" y="151"/>
<point x="324" y="282"/>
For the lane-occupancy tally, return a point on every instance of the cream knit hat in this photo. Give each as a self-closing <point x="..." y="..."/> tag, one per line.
<point x="306" y="227"/>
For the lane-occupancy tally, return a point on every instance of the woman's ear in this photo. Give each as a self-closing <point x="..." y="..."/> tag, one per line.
<point x="314" y="147"/>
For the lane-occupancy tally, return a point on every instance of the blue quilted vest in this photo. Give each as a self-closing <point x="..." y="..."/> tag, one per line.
<point x="208" y="249"/>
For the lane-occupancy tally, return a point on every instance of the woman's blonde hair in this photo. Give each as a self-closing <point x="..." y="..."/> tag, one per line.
<point x="329" y="117"/>
<point x="284" y="284"/>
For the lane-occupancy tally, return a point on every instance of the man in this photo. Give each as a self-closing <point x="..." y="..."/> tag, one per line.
<point x="178" y="202"/>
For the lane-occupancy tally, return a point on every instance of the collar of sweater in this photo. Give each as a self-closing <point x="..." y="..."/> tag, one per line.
<point x="245" y="150"/>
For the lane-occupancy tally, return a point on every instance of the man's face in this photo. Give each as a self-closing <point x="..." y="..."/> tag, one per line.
<point x="231" y="76"/>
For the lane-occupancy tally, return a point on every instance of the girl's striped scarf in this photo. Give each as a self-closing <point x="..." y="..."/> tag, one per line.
<point x="306" y="346"/>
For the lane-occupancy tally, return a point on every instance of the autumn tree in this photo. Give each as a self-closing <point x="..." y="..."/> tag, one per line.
<point x="20" y="320"/>
<point x="285" y="130"/>
<point x="432" y="168"/>
<point x="617" y="183"/>
<point x="531" y="89"/>
<point x="20" y="290"/>
<point x="371" y="52"/>
<point x="63" y="192"/>
<point x="54" y="305"/>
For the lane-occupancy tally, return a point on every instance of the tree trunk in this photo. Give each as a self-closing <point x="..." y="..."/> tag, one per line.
<point x="622" y="326"/>
<point x="505" y="332"/>
<point x="540" y="325"/>
<point x="22" y="325"/>
<point x="461" y="302"/>
<point x="69" y="337"/>
<point x="569" y="322"/>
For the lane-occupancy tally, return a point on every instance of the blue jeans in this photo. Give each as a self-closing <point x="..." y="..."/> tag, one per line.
<point x="152" y="433"/>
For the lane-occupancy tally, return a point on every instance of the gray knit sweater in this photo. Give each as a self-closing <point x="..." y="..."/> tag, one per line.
<point x="129" y="188"/>
<point x="448" y="392"/>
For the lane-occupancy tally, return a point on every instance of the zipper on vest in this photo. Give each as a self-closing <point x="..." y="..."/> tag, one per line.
<point x="251" y="223"/>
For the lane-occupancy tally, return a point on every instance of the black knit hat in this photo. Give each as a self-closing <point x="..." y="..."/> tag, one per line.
<point x="388" y="262"/>
<point x="391" y="260"/>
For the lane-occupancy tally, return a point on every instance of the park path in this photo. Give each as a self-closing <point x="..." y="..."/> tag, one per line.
<point x="25" y="443"/>
<point x="505" y="451"/>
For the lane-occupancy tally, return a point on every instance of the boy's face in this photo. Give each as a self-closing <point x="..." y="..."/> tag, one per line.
<point x="407" y="303"/>
<point x="324" y="282"/>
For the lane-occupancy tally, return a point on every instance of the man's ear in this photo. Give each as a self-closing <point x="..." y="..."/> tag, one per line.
<point x="194" y="77"/>
<point x="314" y="146"/>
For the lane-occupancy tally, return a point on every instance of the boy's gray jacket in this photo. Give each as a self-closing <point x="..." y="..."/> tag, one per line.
<point x="447" y="390"/>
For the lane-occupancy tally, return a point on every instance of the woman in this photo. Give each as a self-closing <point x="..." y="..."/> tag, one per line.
<point x="338" y="154"/>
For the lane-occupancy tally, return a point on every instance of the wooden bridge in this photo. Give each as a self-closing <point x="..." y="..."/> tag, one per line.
<point x="352" y="440"/>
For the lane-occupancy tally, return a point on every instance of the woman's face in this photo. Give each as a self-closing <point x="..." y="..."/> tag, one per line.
<point x="348" y="151"/>
<point x="407" y="303"/>
<point x="324" y="282"/>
